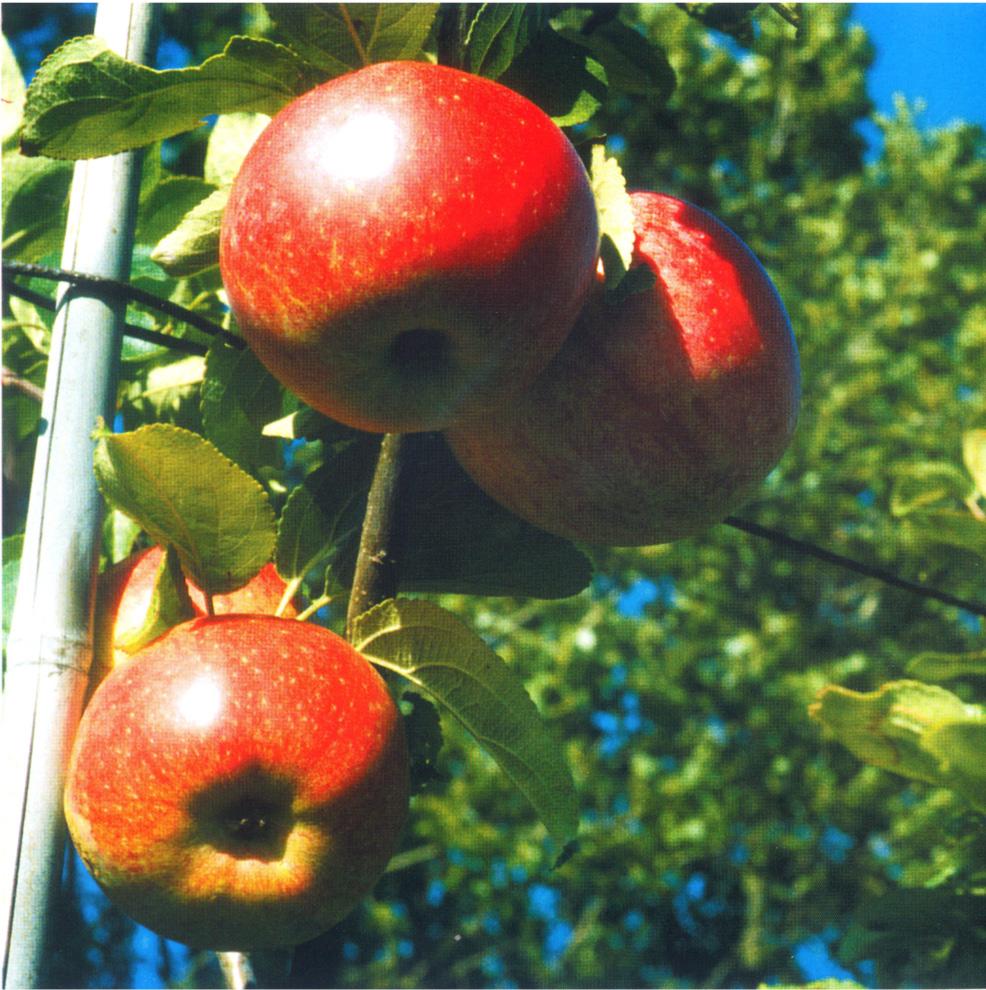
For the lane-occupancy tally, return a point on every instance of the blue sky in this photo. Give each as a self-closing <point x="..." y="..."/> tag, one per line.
<point x="932" y="51"/>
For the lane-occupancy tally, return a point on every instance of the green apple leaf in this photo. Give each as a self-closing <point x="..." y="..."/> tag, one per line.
<point x="633" y="64"/>
<point x="613" y="206"/>
<point x="86" y="101"/>
<point x="560" y="77"/>
<point x="960" y="747"/>
<point x="35" y="204"/>
<point x="456" y="539"/>
<point x="162" y="207"/>
<point x="922" y="486"/>
<point x="325" y="512"/>
<point x="341" y="37"/>
<point x="11" y="550"/>
<point x="239" y="395"/>
<point x="170" y="604"/>
<point x="933" y="666"/>
<point x="184" y="492"/>
<point x="498" y="33"/>
<point x="230" y="139"/>
<point x="12" y="104"/>
<point x="974" y="456"/>
<point x="192" y="246"/>
<point x="444" y="659"/>
<point x="914" y="729"/>
<point x="311" y="425"/>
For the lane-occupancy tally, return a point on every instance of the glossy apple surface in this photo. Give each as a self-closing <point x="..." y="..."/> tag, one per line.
<point x="661" y="414"/>
<point x="407" y="242"/>
<point x="241" y="785"/>
<point x="125" y="591"/>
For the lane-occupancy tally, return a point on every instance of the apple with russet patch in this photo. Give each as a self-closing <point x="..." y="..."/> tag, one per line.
<point x="665" y="410"/>
<point x="407" y="243"/>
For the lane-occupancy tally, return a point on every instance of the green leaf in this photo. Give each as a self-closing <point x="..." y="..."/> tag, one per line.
<point x="457" y="539"/>
<point x="918" y="730"/>
<point x="498" y="33"/>
<point x="933" y="666"/>
<point x="35" y="203"/>
<point x="166" y="391"/>
<point x="341" y="37"/>
<point x="231" y="138"/>
<point x="11" y="549"/>
<point x="170" y="604"/>
<point x="974" y="456"/>
<point x="87" y="101"/>
<point x="239" y="395"/>
<point x="325" y="511"/>
<point x="192" y="246"/>
<point x="184" y="492"/>
<point x="12" y="104"/>
<point x="960" y="747"/>
<point x="612" y="204"/>
<point x="447" y="661"/>
<point x="633" y="64"/>
<point x="734" y="19"/>
<point x="920" y="486"/>
<point x="560" y="77"/>
<point x="163" y="207"/>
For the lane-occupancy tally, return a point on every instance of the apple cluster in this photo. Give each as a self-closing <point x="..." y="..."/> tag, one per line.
<point x="411" y="247"/>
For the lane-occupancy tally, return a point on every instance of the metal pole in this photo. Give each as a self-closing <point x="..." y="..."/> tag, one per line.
<point x="49" y="649"/>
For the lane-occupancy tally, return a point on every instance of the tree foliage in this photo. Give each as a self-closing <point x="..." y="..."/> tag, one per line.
<point x="723" y="835"/>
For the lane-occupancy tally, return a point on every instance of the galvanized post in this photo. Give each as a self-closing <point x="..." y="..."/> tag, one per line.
<point x="49" y="648"/>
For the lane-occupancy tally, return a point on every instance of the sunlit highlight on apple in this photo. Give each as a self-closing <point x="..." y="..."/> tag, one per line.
<point x="201" y="702"/>
<point x="364" y="147"/>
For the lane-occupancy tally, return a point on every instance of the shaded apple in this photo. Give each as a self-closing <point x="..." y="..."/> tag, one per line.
<point x="664" y="411"/>
<point x="407" y="242"/>
<point x="241" y="785"/>
<point x="124" y="596"/>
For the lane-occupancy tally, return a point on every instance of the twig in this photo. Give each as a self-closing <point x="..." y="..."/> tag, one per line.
<point x="375" y="577"/>
<point x="12" y="380"/>
<point x="123" y="290"/>
<point x="139" y="333"/>
<point x="887" y="577"/>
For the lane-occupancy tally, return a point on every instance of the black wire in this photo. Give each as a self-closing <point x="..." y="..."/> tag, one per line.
<point x="139" y="333"/>
<point x="887" y="577"/>
<point x="125" y="291"/>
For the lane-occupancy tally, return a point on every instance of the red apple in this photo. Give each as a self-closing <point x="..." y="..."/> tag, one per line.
<point x="241" y="785"/>
<point x="407" y="242"/>
<point x="124" y="597"/>
<point x="662" y="413"/>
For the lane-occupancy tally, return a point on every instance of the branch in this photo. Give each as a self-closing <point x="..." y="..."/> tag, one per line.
<point x="12" y="380"/>
<point x="111" y="288"/>
<point x="375" y="578"/>
<point x="887" y="577"/>
<point x="139" y="333"/>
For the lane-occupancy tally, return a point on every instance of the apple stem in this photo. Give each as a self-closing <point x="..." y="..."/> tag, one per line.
<point x="312" y="607"/>
<point x="210" y="607"/>
<point x="375" y="578"/>
<point x="290" y="590"/>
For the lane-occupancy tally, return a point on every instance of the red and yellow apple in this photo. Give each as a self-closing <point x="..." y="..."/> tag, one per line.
<point x="241" y="785"/>
<point x="406" y="243"/>
<point x="663" y="412"/>
<point x="124" y="597"/>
